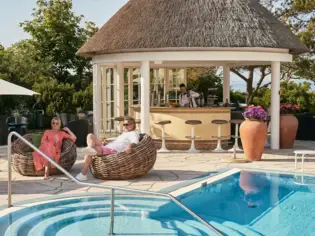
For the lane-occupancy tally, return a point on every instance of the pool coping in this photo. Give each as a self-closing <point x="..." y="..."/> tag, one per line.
<point x="168" y="190"/>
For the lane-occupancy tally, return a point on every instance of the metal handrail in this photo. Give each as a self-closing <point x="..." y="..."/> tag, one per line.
<point x="112" y="188"/>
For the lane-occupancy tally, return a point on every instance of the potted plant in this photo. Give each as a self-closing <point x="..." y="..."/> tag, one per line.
<point x="253" y="132"/>
<point x="288" y="125"/>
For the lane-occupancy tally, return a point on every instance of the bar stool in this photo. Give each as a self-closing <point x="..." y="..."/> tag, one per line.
<point x="163" y="123"/>
<point x="236" y="137"/>
<point x="219" y="137"/>
<point x="193" y="123"/>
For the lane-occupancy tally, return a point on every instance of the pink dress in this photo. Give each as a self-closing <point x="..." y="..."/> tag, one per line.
<point x="51" y="146"/>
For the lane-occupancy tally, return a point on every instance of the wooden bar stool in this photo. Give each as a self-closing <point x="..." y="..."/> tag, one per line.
<point x="193" y="123"/>
<point x="236" y="137"/>
<point x="163" y="123"/>
<point x="219" y="137"/>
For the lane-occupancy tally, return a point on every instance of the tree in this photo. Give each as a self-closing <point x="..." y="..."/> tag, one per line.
<point x="84" y="98"/>
<point x="250" y="90"/>
<point x="299" y="15"/>
<point x="47" y="62"/>
<point x="57" y="34"/>
<point x="205" y="81"/>
<point x="292" y="93"/>
<point x="55" y="97"/>
<point x="19" y="64"/>
<point x="25" y="64"/>
<point x="195" y="73"/>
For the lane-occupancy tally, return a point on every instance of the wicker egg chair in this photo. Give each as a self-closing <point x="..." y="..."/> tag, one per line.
<point x="23" y="163"/>
<point x="122" y="166"/>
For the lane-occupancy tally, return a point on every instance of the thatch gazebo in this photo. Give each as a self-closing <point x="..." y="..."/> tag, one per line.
<point x="188" y="33"/>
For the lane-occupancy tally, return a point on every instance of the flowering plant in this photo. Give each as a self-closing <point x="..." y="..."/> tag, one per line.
<point x="255" y="113"/>
<point x="289" y="109"/>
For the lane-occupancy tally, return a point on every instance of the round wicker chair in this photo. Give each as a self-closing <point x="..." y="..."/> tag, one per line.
<point x="23" y="163"/>
<point x="122" y="166"/>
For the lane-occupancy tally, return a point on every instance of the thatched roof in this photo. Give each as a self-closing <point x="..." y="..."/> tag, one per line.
<point x="145" y="25"/>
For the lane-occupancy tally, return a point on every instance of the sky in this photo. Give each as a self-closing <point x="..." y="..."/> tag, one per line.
<point x="13" y="12"/>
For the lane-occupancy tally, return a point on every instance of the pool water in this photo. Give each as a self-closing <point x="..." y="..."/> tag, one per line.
<point x="253" y="203"/>
<point x="244" y="203"/>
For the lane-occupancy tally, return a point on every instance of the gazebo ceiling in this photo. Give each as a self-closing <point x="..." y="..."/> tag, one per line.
<point x="149" y="25"/>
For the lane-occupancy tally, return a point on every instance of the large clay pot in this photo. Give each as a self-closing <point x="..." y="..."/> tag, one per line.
<point x="253" y="136"/>
<point x="288" y="128"/>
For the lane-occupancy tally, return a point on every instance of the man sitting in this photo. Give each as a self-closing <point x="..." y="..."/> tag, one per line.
<point x="123" y="143"/>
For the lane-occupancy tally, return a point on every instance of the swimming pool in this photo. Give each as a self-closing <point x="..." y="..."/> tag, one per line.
<point x="237" y="203"/>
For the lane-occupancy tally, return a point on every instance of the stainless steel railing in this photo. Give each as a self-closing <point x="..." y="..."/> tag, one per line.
<point x="112" y="188"/>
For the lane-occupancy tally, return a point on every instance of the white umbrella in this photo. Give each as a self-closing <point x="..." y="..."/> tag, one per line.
<point x="7" y="88"/>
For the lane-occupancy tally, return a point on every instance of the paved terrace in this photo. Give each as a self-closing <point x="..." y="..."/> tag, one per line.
<point x="169" y="169"/>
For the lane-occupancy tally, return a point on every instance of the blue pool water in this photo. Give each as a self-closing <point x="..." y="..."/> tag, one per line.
<point x="245" y="203"/>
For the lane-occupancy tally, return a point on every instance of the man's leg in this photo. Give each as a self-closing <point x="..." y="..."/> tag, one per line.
<point x="92" y="141"/>
<point x="87" y="161"/>
<point x="94" y="145"/>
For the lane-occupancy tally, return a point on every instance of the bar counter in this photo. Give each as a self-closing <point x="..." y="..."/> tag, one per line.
<point x="178" y="130"/>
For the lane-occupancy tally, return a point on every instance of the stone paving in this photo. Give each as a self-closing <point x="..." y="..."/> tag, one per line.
<point x="169" y="169"/>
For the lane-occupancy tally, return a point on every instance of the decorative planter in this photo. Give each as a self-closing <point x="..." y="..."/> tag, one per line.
<point x="288" y="129"/>
<point x="253" y="135"/>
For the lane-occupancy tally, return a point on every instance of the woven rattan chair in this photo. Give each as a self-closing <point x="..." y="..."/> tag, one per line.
<point x="23" y="163"/>
<point x="122" y="166"/>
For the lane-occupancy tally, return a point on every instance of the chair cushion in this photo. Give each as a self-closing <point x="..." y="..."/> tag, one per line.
<point x="36" y="139"/>
<point x="219" y="122"/>
<point x="119" y="118"/>
<point x="193" y="122"/>
<point x="236" y="121"/>
<point x="163" y="122"/>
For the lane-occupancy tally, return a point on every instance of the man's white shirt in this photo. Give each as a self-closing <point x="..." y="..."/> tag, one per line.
<point x="123" y="140"/>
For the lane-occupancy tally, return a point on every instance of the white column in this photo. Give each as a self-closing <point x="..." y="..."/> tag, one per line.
<point x="275" y="105"/>
<point x="108" y="99"/>
<point x="166" y="83"/>
<point x="97" y="96"/>
<point x="104" y="99"/>
<point x="185" y="76"/>
<point x="130" y="91"/>
<point x="145" y="97"/>
<point x="226" y="83"/>
<point x="119" y="92"/>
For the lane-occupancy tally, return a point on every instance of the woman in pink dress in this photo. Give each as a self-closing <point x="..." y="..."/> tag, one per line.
<point x="51" y="145"/>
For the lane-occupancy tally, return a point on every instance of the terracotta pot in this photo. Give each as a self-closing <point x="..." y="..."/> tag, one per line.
<point x="288" y="128"/>
<point x="253" y="136"/>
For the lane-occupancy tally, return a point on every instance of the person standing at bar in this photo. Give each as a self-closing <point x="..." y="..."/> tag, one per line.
<point x="187" y="98"/>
